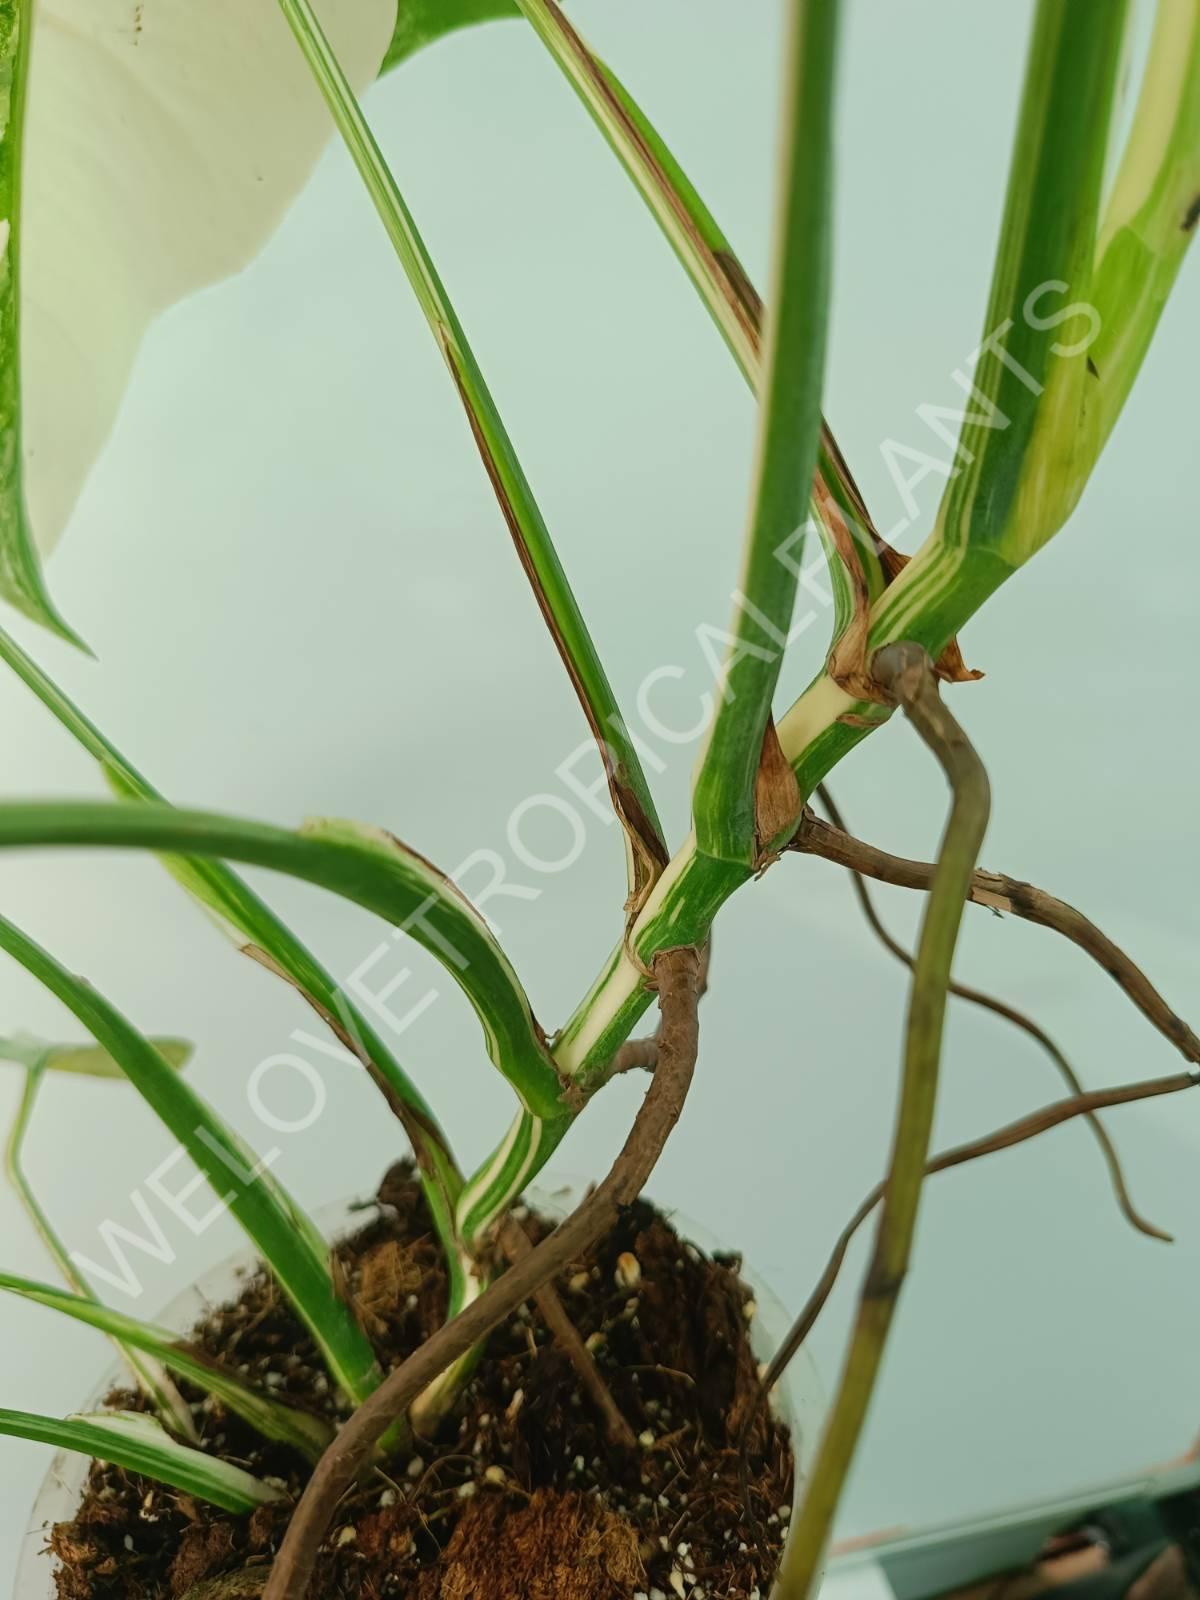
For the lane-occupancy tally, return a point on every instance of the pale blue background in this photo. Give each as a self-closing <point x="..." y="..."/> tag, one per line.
<point x="304" y="600"/>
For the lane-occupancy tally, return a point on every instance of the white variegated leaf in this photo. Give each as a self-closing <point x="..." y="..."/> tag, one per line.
<point x="163" y="141"/>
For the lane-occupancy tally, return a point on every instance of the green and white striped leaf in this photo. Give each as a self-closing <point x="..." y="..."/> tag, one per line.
<point x="270" y="1417"/>
<point x="138" y="1444"/>
<point x="253" y="926"/>
<point x="507" y="1172"/>
<point x="359" y="863"/>
<point x="146" y="150"/>
<point x="288" y="1241"/>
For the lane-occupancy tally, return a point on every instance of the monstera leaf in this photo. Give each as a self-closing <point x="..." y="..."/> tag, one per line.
<point x="147" y="148"/>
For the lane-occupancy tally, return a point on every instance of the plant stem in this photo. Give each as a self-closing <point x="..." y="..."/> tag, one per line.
<point x="647" y="853"/>
<point x="271" y="1418"/>
<point x="150" y="1376"/>
<point x="713" y="267"/>
<point x="1150" y="218"/>
<point x="286" y="1237"/>
<point x="1027" y="442"/>
<point x="742" y="801"/>
<point x="690" y="228"/>
<point x="677" y="975"/>
<point x="907" y="673"/>
<point x="928" y="602"/>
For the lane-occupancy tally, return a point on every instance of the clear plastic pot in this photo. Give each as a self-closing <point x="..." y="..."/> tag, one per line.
<point x="798" y="1400"/>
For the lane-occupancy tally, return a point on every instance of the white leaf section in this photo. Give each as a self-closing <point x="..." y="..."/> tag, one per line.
<point x="164" y="141"/>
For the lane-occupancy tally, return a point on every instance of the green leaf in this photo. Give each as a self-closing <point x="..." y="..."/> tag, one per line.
<point x="422" y="22"/>
<point x="287" y="1239"/>
<point x="630" y="793"/>
<point x="359" y="863"/>
<point x="254" y="927"/>
<point x="155" y="152"/>
<point x="369" y="866"/>
<point x="270" y="1417"/>
<point x="741" y="801"/>
<point x="138" y="1444"/>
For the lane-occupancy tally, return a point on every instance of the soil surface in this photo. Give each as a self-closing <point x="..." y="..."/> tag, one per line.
<point x="521" y="1497"/>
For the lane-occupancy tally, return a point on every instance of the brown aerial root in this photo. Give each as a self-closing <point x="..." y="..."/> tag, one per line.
<point x="1005" y="1138"/>
<point x="1018" y="1018"/>
<point x="677" y="975"/>
<point x="516" y="1246"/>
<point x="1002" y="893"/>
<point x="907" y="674"/>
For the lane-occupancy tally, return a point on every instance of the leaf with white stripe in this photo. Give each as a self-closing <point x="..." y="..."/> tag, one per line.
<point x="351" y="859"/>
<point x="270" y="1417"/>
<point x="247" y="919"/>
<point x="138" y="1444"/>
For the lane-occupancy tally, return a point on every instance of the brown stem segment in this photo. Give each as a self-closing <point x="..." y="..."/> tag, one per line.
<point x="1000" y="1008"/>
<point x="516" y="1246"/>
<point x="677" y="975"/>
<point x="906" y="674"/>
<point x="1001" y="893"/>
<point x="635" y="1055"/>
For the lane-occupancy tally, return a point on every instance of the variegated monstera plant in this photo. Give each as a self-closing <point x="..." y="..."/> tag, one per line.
<point x="126" y="182"/>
